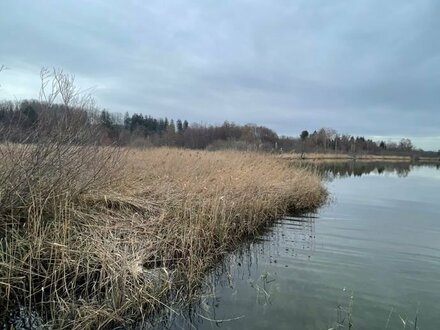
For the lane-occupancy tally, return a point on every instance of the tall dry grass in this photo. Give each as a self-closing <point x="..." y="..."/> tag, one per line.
<point x="139" y="235"/>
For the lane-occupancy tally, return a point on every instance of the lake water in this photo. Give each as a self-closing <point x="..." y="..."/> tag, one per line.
<point x="370" y="260"/>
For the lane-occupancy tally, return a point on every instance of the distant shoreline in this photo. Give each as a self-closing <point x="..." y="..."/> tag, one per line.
<point x="351" y="157"/>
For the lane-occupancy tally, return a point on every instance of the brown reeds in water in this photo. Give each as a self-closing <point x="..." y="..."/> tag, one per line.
<point x="114" y="239"/>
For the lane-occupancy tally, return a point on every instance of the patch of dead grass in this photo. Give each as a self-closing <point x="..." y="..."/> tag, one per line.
<point x="108" y="255"/>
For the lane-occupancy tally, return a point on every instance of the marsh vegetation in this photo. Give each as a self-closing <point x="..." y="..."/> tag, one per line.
<point x="91" y="236"/>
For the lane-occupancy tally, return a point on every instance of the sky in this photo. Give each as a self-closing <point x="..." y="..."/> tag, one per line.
<point x="365" y="67"/>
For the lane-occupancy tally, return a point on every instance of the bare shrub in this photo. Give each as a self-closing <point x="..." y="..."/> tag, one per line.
<point x="47" y="166"/>
<point x="56" y="154"/>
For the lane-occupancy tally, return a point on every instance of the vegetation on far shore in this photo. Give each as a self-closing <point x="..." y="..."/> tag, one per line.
<point x="362" y="157"/>
<point x="139" y="130"/>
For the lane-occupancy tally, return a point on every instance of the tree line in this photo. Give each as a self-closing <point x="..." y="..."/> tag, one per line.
<point x="64" y="108"/>
<point x="24" y="118"/>
<point x="327" y="140"/>
<point x="32" y="120"/>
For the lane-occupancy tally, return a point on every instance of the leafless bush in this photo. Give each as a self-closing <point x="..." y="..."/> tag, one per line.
<point x="58" y="154"/>
<point x="48" y="172"/>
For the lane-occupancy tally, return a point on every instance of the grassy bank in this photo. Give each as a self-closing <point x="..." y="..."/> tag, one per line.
<point x="118" y="239"/>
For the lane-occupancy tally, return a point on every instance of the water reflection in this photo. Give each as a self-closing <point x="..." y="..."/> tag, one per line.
<point x="247" y="272"/>
<point x="341" y="169"/>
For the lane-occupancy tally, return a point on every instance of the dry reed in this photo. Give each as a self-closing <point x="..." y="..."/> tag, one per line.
<point x="125" y="244"/>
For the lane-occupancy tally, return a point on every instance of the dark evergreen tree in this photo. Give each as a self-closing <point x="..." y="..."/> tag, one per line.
<point x="106" y="120"/>
<point x="179" y="126"/>
<point x="127" y="121"/>
<point x="304" y="135"/>
<point x="29" y="115"/>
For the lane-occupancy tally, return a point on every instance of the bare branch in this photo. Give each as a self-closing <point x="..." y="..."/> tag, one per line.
<point x="3" y="68"/>
<point x="45" y="77"/>
<point x="56" y="84"/>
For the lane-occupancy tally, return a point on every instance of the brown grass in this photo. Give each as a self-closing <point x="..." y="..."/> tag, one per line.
<point x="109" y="254"/>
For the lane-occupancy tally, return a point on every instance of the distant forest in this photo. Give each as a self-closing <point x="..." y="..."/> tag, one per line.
<point x="20" y="121"/>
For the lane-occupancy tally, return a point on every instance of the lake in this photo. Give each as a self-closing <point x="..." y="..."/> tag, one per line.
<point x="370" y="259"/>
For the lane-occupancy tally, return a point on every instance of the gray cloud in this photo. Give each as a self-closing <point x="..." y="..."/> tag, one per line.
<point x="364" y="67"/>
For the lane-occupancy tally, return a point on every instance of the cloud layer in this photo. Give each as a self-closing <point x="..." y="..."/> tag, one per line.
<point x="362" y="67"/>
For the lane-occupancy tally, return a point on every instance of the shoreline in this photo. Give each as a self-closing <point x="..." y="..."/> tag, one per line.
<point x="348" y="157"/>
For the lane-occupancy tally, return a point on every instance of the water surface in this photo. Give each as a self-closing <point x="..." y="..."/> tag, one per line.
<point x="370" y="258"/>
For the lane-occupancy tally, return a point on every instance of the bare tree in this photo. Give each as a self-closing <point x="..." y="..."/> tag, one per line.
<point x="406" y="145"/>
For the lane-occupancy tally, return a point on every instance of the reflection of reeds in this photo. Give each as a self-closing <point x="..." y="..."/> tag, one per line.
<point x="299" y="235"/>
<point x="288" y="234"/>
<point x="102" y="243"/>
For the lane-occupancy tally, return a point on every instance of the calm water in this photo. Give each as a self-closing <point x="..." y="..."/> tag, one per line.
<point x="373" y="253"/>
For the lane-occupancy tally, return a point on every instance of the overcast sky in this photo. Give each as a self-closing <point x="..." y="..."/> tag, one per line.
<point x="361" y="67"/>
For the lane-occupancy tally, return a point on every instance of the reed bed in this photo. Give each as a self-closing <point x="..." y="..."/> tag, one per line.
<point x="106" y="248"/>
